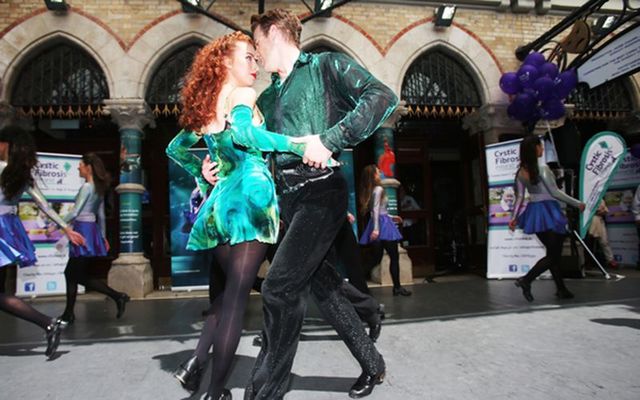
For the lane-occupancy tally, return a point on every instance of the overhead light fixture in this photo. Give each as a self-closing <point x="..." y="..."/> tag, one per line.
<point x="322" y="5"/>
<point x="444" y="15"/>
<point x="56" y="5"/>
<point x="603" y="24"/>
<point x="190" y="6"/>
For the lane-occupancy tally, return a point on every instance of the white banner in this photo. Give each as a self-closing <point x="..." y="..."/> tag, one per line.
<point x="509" y="254"/>
<point x="58" y="179"/>
<point x="621" y="227"/>
<point x="601" y="157"/>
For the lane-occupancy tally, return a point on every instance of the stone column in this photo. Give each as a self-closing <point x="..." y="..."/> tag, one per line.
<point x="386" y="161"/>
<point x="131" y="271"/>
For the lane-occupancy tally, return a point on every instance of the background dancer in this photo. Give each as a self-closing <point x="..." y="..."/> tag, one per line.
<point x="240" y="217"/>
<point x="542" y="216"/>
<point x="17" y="162"/>
<point x="381" y="230"/>
<point x="87" y="217"/>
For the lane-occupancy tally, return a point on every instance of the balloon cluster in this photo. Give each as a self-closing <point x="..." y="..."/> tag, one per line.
<point x="537" y="89"/>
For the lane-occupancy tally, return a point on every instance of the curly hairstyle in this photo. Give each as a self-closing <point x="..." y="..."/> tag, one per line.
<point x="368" y="182"/>
<point x="101" y="178"/>
<point x="286" y="21"/>
<point x="204" y="80"/>
<point x="22" y="161"/>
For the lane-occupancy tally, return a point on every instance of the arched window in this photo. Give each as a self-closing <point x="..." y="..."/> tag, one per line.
<point x="62" y="81"/>
<point x="609" y="100"/>
<point x="163" y="93"/>
<point x="437" y="85"/>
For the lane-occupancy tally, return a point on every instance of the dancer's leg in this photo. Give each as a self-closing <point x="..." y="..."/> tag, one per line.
<point x="240" y="270"/>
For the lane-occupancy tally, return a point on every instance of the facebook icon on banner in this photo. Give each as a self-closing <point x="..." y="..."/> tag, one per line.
<point x="29" y="286"/>
<point x="513" y="268"/>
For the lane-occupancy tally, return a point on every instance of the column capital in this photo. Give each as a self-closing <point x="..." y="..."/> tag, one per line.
<point x="491" y="120"/>
<point x="9" y="116"/>
<point x="130" y="113"/>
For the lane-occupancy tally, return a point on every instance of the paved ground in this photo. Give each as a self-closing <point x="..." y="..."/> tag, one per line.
<point x="460" y="338"/>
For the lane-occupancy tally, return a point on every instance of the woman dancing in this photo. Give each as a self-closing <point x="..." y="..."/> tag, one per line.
<point x="87" y="217"/>
<point x="381" y="229"/>
<point x="17" y="162"/>
<point x="240" y="217"/>
<point x="542" y="216"/>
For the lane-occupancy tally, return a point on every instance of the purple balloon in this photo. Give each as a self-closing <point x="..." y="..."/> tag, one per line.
<point x="549" y="69"/>
<point x="536" y="59"/>
<point x="527" y="74"/>
<point x="543" y="88"/>
<point x="523" y="106"/>
<point x="552" y="109"/>
<point x="635" y="150"/>
<point x="564" y="83"/>
<point x="509" y="83"/>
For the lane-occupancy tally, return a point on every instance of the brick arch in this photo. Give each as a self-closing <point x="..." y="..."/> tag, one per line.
<point x="21" y="40"/>
<point x="463" y="44"/>
<point x="158" y="40"/>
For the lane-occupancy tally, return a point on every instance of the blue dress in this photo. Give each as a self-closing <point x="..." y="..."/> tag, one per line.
<point x="88" y="220"/>
<point x="380" y="220"/>
<point x="15" y="245"/>
<point x="243" y="205"/>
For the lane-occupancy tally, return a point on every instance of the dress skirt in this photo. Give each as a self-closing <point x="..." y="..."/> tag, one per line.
<point x="388" y="230"/>
<point x="16" y="247"/>
<point x="94" y="247"/>
<point x="542" y="216"/>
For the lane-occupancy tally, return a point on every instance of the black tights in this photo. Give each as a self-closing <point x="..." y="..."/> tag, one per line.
<point x="552" y="241"/>
<point x="222" y="328"/>
<point x="19" y="308"/>
<point x="76" y="273"/>
<point x="392" y="250"/>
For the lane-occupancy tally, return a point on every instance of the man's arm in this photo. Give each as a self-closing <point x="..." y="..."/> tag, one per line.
<point x="372" y="101"/>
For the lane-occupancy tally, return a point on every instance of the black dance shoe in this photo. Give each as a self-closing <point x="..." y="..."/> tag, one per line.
<point x="526" y="288"/>
<point x="257" y="341"/>
<point x="121" y="302"/>
<point x="400" y="291"/>
<point x="375" y="327"/>
<point x="66" y="320"/>
<point x="52" y="331"/>
<point x="189" y="374"/>
<point x="225" y="395"/>
<point x="564" y="294"/>
<point x="365" y="384"/>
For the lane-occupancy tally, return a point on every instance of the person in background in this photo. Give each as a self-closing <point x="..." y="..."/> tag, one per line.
<point x="87" y="217"/>
<point x="381" y="230"/>
<point x="17" y="163"/>
<point x="542" y="216"/>
<point x="598" y="232"/>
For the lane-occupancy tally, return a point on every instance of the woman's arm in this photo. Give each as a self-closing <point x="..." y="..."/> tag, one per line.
<point x="43" y="205"/>
<point x="548" y="179"/>
<point x="178" y="151"/>
<point x="81" y="199"/>
<point x="375" y="209"/>
<point x="247" y="135"/>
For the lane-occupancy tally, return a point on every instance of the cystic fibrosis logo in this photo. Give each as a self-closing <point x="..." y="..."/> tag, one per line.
<point x="29" y="286"/>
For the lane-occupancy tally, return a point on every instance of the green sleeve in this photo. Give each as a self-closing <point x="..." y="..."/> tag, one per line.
<point x="372" y="101"/>
<point x="247" y="135"/>
<point x="178" y="151"/>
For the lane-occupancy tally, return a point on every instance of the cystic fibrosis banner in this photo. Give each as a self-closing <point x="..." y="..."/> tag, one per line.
<point x="509" y="254"/>
<point x="621" y="227"/>
<point x="58" y="179"/>
<point x="601" y="158"/>
<point x="189" y="269"/>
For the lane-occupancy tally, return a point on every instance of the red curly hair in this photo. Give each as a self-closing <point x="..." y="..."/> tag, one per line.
<point x="204" y="79"/>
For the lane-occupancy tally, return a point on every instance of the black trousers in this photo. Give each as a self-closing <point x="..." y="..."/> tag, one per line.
<point x="552" y="241"/>
<point x="313" y="215"/>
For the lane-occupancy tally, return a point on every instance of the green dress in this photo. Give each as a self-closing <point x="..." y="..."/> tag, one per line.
<point x="242" y="205"/>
